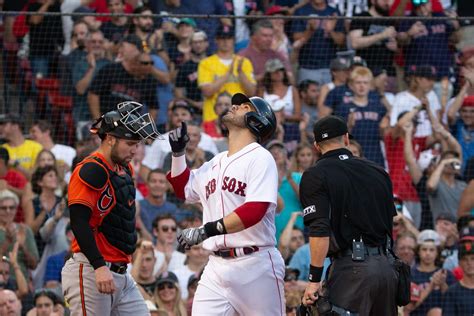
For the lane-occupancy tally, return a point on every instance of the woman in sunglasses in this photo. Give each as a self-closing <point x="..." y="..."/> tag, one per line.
<point x="167" y="295"/>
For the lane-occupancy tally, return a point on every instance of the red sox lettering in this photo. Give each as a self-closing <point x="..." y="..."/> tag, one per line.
<point x="231" y="185"/>
<point x="210" y="188"/>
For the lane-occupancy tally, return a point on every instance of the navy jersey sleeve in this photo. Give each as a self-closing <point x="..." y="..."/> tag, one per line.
<point x="358" y="24"/>
<point x="340" y="22"/>
<point x="331" y="98"/>
<point x="220" y="7"/>
<point x="405" y="25"/>
<point x="299" y="25"/>
<point x="449" y="300"/>
<point x="315" y="202"/>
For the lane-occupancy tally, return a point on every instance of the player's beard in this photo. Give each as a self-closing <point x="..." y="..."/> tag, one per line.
<point x="114" y="156"/>
<point x="230" y="119"/>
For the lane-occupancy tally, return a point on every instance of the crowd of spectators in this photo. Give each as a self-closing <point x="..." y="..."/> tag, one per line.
<point x="405" y="87"/>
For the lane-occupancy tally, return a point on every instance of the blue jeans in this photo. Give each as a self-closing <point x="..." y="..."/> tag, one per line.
<point x="39" y="65"/>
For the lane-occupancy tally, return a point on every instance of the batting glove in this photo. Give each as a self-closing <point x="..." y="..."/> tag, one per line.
<point x="178" y="139"/>
<point x="192" y="236"/>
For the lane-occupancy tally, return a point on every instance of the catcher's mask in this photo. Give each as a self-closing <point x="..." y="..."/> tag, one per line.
<point x="127" y="123"/>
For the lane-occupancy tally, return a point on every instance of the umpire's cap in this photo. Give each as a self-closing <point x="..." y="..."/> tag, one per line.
<point x="126" y="122"/>
<point x="262" y="123"/>
<point x="329" y="127"/>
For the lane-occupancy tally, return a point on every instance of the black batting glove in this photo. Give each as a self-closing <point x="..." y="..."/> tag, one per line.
<point x="178" y="139"/>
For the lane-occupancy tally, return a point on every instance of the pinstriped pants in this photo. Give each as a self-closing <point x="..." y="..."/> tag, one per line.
<point x="80" y="292"/>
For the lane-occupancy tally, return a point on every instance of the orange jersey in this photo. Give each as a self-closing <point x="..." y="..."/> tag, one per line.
<point x="101" y="201"/>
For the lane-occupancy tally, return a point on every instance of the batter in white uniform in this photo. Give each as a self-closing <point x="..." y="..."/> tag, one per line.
<point x="238" y="191"/>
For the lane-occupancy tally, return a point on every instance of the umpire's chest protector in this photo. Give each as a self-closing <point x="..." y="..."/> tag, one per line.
<point x="118" y="225"/>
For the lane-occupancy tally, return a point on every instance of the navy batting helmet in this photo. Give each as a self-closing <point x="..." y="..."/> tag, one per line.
<point x="262" y="122"/>
<point x="126" y="122"/>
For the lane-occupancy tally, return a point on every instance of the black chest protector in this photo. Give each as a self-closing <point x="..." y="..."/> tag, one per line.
<point x="118" y="226"/>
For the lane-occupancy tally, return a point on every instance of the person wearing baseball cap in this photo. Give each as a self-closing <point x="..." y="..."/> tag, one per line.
<point x="350" y="200"/>
<point x="168" y="294"/>
<point x="445" y="226"/>
<point x="458" y="298"/>
<point x="419" y="96"/>
<point x="428" y="274"/>
<point x="340" y="70"/>
<point x="466" y="233"/>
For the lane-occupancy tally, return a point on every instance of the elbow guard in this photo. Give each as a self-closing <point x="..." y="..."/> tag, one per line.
<point x="251" y="213"/>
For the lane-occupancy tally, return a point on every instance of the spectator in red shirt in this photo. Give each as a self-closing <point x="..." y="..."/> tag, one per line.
<point x="402" y="183"/>
<point x="16" y="182"/>
<point x="100" y="6"/>
<point x="405" y="7"/>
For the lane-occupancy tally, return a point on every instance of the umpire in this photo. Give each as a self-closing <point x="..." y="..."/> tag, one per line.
<point x="348" y="210"/>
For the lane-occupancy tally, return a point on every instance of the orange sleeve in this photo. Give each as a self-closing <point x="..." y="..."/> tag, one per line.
<point x="80" y="193"/>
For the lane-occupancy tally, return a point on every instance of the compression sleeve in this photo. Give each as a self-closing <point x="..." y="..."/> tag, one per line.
<point x="179" y="182"/>
<point x="80" y="216"/>
<point x="251" y="213"/>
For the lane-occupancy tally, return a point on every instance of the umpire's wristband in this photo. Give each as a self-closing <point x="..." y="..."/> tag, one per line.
<point x="215" y="228"/>
<point x="315" y="274"/>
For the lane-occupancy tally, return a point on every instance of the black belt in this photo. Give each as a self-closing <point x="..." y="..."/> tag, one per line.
<point x="120" y="268"/>
<point x="369" y="251"/>
<point x="235" y="252"/>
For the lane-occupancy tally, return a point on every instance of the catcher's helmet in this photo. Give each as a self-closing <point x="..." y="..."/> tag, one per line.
<point x="126" y="122"/>
<point x="262" y="122"/>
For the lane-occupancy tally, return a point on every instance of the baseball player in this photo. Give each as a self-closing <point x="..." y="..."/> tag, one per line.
<point x="238" y="191"/>
<point x="102" y="207"/>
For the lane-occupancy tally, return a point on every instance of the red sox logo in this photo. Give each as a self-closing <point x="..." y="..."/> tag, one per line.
<point x="229" y="184"/>
<point x="106" y="199"/>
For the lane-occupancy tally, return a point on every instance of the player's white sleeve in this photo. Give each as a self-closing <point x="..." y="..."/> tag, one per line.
<point x="262" y="179"/>
<point x="196" y="185"/>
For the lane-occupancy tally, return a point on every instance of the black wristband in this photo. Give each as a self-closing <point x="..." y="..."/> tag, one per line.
<point x="215" y="228"/>
<point x="97" y="263"/>
<point x="315" y="274"/>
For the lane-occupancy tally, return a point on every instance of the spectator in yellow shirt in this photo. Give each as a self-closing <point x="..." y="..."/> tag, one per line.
<point x="22" y="151"/>
<point x="224" y="72"/>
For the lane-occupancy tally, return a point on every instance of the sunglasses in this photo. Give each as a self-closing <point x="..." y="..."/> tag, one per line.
<point x="165" y="228"/>
<point x="146" y="62"/>
<point x="167" y="285"/>
<point x="419" y="2"/>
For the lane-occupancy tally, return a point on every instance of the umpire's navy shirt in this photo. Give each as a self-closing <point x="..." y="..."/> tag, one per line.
<point x="350" y="196"/>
